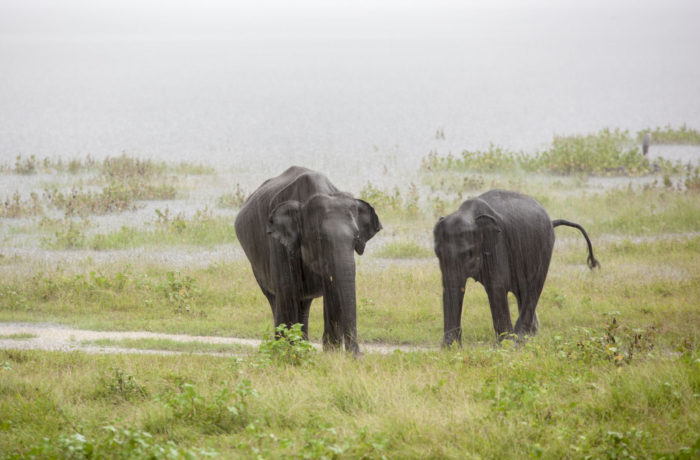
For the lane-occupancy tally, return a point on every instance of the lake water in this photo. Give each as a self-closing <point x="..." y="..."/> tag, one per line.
<point x="354" y="89"/>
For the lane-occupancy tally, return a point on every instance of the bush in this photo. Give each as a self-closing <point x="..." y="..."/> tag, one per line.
<point x="288" y="347"/>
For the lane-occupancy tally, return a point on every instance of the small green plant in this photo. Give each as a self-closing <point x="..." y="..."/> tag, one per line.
<point x="393" y="202"/>
<point x="25" y="166"/>
<point x="288" y="346"/>
<point x="68" y="233"/>
<point x="180" y="291"/>
<point x="121" y="443"/>
<point x="17" y="207"/>
<point x="233" y="199"/>
<point x="177" y="223"/>
<point x="121" y="385"/>
<point x="227" y="410"/>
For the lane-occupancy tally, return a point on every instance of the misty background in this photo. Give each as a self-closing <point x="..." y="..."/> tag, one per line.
<point x="337" y="86"/>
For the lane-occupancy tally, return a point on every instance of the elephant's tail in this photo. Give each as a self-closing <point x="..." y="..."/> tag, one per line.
<point x="592" y="262"/>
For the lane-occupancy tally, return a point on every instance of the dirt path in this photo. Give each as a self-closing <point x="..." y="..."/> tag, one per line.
<point x="57" y="337"/>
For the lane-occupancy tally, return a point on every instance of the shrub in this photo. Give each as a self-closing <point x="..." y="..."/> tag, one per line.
<point x="288" y="347"/>
<point x="16" y="207"/>
<point x="227" y="410"/>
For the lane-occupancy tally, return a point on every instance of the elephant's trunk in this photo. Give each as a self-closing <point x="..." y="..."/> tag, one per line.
<point x="340" y="308"/>
<point x="452" y="298"/>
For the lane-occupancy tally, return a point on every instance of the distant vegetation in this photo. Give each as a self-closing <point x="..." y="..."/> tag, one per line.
<point x="202" y="229"/>
<point x="608" y="152"/>
<point x="669" y="135"/>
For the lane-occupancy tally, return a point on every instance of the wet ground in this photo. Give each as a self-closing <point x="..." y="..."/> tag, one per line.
<point x="57" y="337"/>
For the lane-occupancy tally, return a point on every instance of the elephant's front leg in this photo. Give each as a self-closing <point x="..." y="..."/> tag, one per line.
<point x="286" y="297"/>
<point x="332" y="335"/>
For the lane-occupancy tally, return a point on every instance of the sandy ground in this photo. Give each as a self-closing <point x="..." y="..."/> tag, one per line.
<point x="57" y="337"/>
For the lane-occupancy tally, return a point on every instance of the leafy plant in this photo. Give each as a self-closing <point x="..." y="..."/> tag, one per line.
<point x="228" y="409"/>
<point x="233" y="199"/>
<point x="121" y="443"/>
<point x="288" y="346"/>
<point x="17" y="207"/>
<point x="122" y="385"/>
<point x="180" y="291"/>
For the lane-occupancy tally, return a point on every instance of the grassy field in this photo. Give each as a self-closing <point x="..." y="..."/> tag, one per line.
<point x="614" y="372"/>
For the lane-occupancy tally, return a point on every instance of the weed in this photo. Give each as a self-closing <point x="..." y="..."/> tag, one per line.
<point x="180" y="291"/>
<point x="115" y="444"/>
<point x="615" y="345"/>
<point x="16" y="207"/>
<point x="288" y="347"/>
<point x="392" y="202"/>
<point x="26" y="166"/>
<point x="68" y="233"/>
<point x="227" y="410"/>
<point x="233" y="199"/>
<point x="121" y="385"/>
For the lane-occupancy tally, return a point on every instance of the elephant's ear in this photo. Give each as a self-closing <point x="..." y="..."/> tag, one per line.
<point x="488" y="223"/>
<point x="368" y="224"/>
<point x="284" y="224"/>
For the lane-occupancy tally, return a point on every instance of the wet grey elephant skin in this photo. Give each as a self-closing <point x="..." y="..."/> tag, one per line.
<point x="504" y="241"/>
<point x="300" y="233"/>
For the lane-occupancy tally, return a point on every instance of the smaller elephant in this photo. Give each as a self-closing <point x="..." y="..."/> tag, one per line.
<point x="504" y="241"/>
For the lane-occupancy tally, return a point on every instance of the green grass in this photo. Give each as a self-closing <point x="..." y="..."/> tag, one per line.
<point x="552" y="398"/>
<point x="20" y="336"/>
<point x="203" y="229"/>
<point x="171" y="345"/>
<point x="404" y="250"/>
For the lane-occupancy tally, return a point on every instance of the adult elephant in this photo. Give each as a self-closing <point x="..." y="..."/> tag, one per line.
<point x="299" y="233"/>
<point x="504" y="241"/>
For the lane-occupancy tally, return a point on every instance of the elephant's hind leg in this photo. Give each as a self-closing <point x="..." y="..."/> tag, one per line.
<point x="500" y="313"/>
<point x="304" y="307"/>
<point x="528" y="323"/>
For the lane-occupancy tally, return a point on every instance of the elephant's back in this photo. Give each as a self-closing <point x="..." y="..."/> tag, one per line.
<point x="295" y="183"/>
<point x="528" y="231"/>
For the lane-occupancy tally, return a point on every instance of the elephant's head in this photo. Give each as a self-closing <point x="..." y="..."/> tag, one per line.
<point x="462" y="240"/>
<point x="325" y="231"/>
